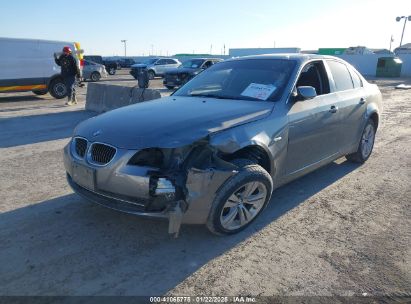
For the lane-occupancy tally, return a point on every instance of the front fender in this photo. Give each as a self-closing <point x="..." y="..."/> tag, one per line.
<point x="269" y="134"/>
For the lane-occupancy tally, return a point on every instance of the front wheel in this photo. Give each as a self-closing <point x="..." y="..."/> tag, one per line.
<point x="240" y="200"/>
<point x="366" y="144"/>
<point x="58" y="88"/>
<point x="95" y="76"/>
<point x="111" y="71"/>
<point x="151" y="75"/>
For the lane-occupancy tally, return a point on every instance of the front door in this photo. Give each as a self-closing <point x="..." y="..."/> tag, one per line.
<point x="313" y="123"/>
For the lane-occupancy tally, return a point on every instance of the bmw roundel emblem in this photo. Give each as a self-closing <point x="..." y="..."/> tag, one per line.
<point x="97" y="133"/>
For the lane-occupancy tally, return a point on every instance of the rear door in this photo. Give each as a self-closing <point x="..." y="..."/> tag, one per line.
<point x="314" y="123"/>
<point x="351" y="103"/>
<point x="161" y="66"/>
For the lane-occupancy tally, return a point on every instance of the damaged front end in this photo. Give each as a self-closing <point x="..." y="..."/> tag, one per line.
<point x="175" y="183"/>
<point x="184" y="181"/>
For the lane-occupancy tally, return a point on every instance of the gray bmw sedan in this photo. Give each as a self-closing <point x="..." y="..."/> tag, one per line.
<point x="214" y="151"/>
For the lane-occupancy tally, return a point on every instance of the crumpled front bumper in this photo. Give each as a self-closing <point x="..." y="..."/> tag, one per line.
<point x="129" y="188"/>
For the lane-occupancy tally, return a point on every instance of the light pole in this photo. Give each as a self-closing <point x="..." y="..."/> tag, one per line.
<point x="125" y="47"/>
<point x="405" y="23"/>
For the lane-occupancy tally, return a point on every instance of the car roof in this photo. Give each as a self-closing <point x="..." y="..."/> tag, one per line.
<point x="204" y="58"/>
<point x="288" y="56"/>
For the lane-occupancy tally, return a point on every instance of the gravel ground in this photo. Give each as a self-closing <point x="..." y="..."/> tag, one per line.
<point x="342" y="230"/>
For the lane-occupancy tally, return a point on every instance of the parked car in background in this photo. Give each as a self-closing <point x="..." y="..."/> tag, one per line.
<point x="214" y="151"/>
<point x="28" y="65"/>
<point x="111" y="65"/>
<point x="126" y="62"/>
<point x="179" y="76"/>
<point x="93" y="71"/>
<point x="155" y="67"/>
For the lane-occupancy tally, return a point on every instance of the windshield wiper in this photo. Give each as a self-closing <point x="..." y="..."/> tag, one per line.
<point x="210" y="96"/>
<point x="224" y="97"/>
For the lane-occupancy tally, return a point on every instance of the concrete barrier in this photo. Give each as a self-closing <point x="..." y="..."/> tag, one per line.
<point x="105" y="97"/>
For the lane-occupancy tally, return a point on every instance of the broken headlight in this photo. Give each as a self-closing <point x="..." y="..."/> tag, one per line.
<point x="152" y="157"/>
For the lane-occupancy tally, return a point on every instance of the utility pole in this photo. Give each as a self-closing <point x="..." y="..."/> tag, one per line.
<point x="391" y="41"/>
<point x="405" y="23"/>
<point x="152" y="50"/>
<point x="211" y="49"/>
<point x="224" y="49"/>
<point x="125" y="47"/>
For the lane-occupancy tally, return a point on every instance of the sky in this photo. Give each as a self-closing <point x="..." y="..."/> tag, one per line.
<point x="160" y="27"/>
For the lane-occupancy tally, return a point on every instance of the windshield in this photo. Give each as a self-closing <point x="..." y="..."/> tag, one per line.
<point x="150" y="61"/>
<point x="193" y="64"/>
<point x="251" y="79"/>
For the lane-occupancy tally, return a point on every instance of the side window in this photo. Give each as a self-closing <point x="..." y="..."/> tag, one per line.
<point x="207" y="64"/>
<point x="314" y="75"/>
<point x="161" y="62"/>
<point x="356" y="79"/>
<point x="341" y="76"/>
<point x="170" y="61"/>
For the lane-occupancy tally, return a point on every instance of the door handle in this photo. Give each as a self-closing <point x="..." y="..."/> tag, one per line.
<point x="333" y="109"/>
<point x="362" y="100"/>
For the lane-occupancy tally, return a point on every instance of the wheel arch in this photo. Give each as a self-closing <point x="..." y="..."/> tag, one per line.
<point x="375" y="118"/>
<point x="373" y="113"/>
<point x="52" y="78"/>
<point x="253" y="151"/>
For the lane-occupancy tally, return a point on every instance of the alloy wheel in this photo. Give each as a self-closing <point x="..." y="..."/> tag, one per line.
<point x="243" y="205"/>
<point x="367" y="141"/>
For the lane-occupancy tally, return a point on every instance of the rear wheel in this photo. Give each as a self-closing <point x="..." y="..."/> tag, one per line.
<point x="40" y="92"/>
<point x="240" y="200"/>
<point x="58" y="88"/>
<point x="95" y="76"/>
<point x="366" y="144"/>
<point x="151" y="74"/>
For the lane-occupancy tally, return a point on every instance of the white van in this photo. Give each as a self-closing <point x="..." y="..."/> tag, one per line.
<point x="28" y="65"/>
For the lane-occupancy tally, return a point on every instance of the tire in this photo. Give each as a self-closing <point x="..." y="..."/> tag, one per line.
<point x="151" y="74"/>
<point x="249" y="175"/>
<point x="366" y="144"/>
<point x="170" y="87"/>
<point x="57" y="88"/>
<point x="40" y="92"/>
<point x="111" y="71"/>
<point x="95" y="76"/>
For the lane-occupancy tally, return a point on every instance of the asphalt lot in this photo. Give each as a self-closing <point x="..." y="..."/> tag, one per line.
<point x="342" y="230"/>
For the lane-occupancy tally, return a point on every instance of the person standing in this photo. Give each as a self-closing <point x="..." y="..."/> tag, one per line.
<point x="69" y="71"/>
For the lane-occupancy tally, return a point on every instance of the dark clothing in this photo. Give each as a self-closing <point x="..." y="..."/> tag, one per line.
<point x="68" y="65"/>
<point x="70" y="82"/>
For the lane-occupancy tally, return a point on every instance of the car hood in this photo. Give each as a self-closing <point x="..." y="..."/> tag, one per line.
<point x="170" y="122"/>
<point x="182" y="70"/>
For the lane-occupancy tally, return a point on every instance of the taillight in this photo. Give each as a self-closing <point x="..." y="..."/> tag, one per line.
<point x="81" y="63"/>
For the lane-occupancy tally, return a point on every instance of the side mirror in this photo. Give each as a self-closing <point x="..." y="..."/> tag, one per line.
<point x="306" y="92"/>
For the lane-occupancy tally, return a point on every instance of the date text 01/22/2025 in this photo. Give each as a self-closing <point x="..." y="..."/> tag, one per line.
<point x="202" y="299"/>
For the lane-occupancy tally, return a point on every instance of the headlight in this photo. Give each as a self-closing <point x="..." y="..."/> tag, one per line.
<point x="151" y="157"/>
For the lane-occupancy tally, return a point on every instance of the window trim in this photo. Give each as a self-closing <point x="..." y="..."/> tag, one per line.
<point x="158" y="62"/>
<point x="326" y="70"/>
<point x="352" y="70"/>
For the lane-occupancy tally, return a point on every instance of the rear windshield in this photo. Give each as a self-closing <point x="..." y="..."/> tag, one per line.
<point x="251" y="79"/>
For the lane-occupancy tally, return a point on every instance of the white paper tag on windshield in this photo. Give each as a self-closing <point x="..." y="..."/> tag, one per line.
<point x="259" y="91"/>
